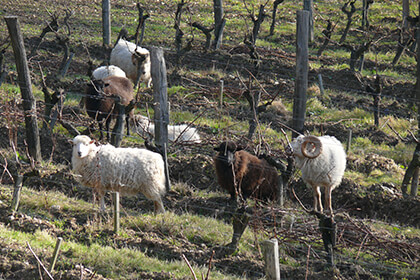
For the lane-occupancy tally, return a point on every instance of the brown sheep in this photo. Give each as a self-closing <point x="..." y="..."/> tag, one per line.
<point x="241" y="173"/>
<point x="100" y="100"/>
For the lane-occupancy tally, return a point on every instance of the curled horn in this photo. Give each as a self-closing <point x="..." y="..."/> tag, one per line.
<point x="315" y="147"/>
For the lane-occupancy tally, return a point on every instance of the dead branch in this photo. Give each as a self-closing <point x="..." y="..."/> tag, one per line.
<point x="39" y="261"/>
<point x="189" y="266"/>
<point x="349" y="14"/>
<point x="179" y="34"/>
<point x="273" y="15"/>
<point x="207" y="32"/>
<point x="137" y="37"/>
<point x="396" y="133"/>
<point x="208" y="271"/>
<point x="69" y="13"/>
<point x="327" y="32"/>
<point x="356" y="53"/>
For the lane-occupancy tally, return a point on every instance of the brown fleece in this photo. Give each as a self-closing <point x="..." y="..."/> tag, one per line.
<point x="254" y="177"/>
<point x="100" y="102"/>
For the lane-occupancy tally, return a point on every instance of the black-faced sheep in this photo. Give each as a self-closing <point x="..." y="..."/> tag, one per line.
<point x="125" y="170"/>
<point x="133" y="60"/>
<point x="180" y="133"/>
<point x="322" y="161"/>
<point x="103" y="72"/>
<point x="100" y="99"/>
<point x="239" y="172"/>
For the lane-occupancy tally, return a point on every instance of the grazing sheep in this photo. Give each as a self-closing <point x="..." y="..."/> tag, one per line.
<point x="133" y="60"/>
<point x="180" y="133"/>
<point x="103" y="72"/>
<point x="100" y="100"/>
<point x="241" y="173"/>
<point x="125" y="170"/>
<point x="322" y="161"/>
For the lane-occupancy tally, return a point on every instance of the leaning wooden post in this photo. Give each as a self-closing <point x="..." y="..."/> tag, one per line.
<point x="16" y="192"/>
<point x="377" y="100"/>
<point x="405" y="13"/>
<point x="308" y="6"/>
<point x="221" y="93"/>
<point x="116" y="196"/>
<point x="321" y="84"/>
<point x="349" y="137"/>
<point x="302" y="65"/>
<point x="280" y="185"/>
<point x="106" y="22"/>
<point x="55" y="254"/>
<point x="24" y="80"/>
<point x="271" y="258"/>
<point x="415" y="182"/>
<point x="161" y="107"/>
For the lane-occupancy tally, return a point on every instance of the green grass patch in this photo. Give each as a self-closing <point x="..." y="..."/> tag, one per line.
<point x="115" y="263"/>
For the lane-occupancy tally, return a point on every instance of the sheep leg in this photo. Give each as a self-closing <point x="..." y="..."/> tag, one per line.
<point x="327" y="194"/>
<point x="159" y="206"/>
<point x="317" y="199"/>
<point x="127" y="121"/>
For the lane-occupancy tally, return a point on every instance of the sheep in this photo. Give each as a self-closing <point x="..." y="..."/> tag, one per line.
<point x="133" y="60"/>
<point x="181" y="133"/>
<point x="103" y="72"/>
<point x="125" y="170"/>
<point x="241" y="173"/>
<point x="100" y="100"/>
<point x="322" y="161"/>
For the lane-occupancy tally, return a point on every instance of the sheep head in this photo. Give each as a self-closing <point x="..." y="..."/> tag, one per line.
<point x="227" y="150"/>
<point x="82" y="145"/>
<point x="311" y="147"/>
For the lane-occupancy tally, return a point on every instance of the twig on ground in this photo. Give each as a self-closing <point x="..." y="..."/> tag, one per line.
<point x="39" y="261"/>
<point x="189" y="266"/>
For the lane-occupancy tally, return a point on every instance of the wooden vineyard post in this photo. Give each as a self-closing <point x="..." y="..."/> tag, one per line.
<point x="161" y="105"/>
<point x="321" y="84"/>
<point x="221" y="93"/>
<point x="55" y="254"/>
<point x="16" y="193"/>
<point x="24" y="80"/>
<point x="302" y="65"/>
<point x="106" y="22"/>
<point x="116" y="196"/>
<point x="271" y="259"/>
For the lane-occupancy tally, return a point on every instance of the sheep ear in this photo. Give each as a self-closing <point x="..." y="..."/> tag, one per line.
<point x="71" y="142"/>
<point x="91" y="142"/>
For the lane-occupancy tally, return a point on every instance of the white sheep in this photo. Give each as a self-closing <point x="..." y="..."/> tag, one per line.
<point x="125" y="170"/>
<point x="322" y="161"/>
<point x="133" y="60"/>
<point x="180" y="133"/>
<point x="103" y="72"/>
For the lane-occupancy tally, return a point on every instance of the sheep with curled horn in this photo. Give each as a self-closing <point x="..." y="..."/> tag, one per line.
<point x="322" y="161"/>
